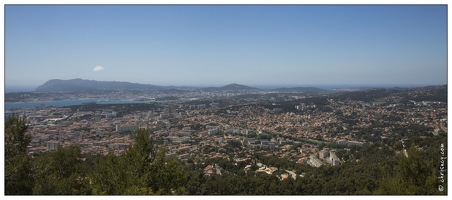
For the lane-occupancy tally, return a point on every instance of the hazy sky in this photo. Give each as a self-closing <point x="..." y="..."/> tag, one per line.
<point x="218" y="45"/>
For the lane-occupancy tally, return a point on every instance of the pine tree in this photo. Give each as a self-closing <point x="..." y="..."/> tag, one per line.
<point x="60" y="173"/>
<point x="139" y="170"/>
<point x="414" y="176"/>
<point x="18" y="179"/>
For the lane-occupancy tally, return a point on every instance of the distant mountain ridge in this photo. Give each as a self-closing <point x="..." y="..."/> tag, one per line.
<point x="74" y="85"/>
<point x="230" y="87"/>
<point x="58" y="85"/>
<point x="82" y="85"/>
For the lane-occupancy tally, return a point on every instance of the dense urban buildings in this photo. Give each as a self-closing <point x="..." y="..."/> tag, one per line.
<point x="299" y="127"/>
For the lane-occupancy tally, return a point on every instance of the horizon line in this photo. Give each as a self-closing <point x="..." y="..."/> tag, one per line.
<point x="32" y="88"/>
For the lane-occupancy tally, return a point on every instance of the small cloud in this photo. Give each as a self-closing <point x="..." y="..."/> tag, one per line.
<point x="98" y="68"/>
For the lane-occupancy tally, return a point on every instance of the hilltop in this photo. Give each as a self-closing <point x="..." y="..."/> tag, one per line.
<point x="73" y="85"/>
<point x="230" y="87"/>
<point x="81" y="85"/>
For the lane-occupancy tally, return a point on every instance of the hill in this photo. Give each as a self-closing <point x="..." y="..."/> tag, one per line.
<point x="235" y="86"/>
<point x="73" y="85"/>
<point x="230" y="87"/>
<point x="82" y="85"/>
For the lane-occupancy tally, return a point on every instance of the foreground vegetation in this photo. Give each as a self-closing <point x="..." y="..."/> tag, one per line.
<point x="143" y="170"/>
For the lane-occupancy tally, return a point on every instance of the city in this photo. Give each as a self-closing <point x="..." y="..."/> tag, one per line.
<point x="225" y="99"/>
<point x="303" y="130"/>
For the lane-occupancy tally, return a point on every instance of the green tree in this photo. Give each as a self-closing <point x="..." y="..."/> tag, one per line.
<point x="16" y="141"/>
<point x="140" y="170"/>
<point x="106" y="176"/>
<point x="18" y="177"/>
<point x="129" y="173"/>
<point x="414" y="176"/>
<point x="168" y="176"/>
<point x="60" y="173"/>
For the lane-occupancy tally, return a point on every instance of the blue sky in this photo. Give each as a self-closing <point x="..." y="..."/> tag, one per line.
<point x="217" y="45"/>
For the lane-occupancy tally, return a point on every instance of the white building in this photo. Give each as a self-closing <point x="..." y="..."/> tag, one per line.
<point x="343" y="142"/>
<point x="302" y="106"/>
<point x="335" y="162"/>
<point x="356" y="143"/>
<point x="271" y="146"/>
<point x="213" y="131"/>
<point x="313" y="161"/>
<point x="52" y="145"/>
<point x="323" y="154"/>
<point x="120" y="128"/>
